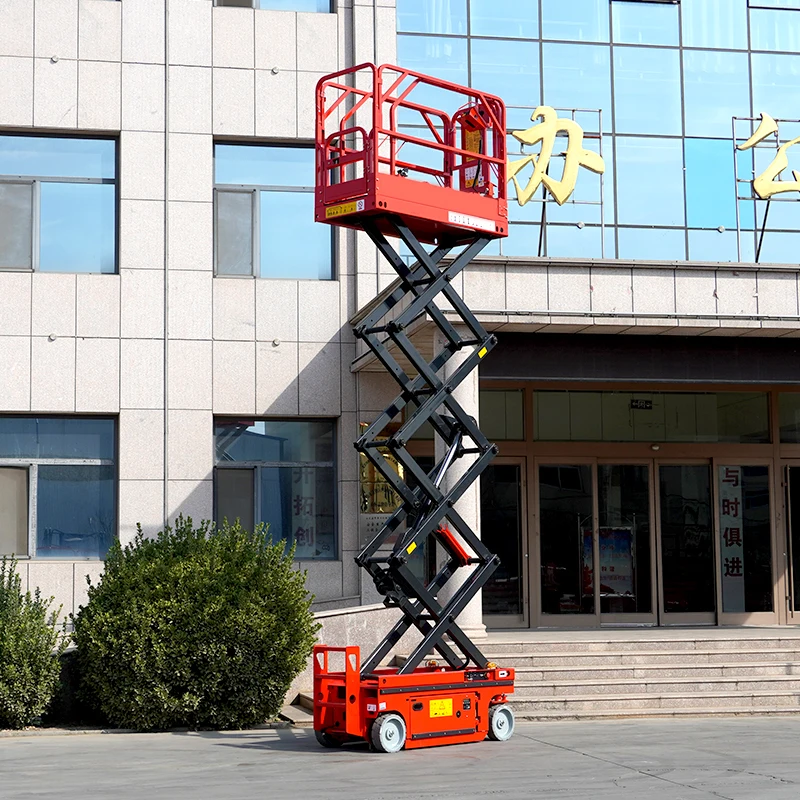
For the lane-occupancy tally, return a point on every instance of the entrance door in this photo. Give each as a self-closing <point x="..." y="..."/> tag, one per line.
<point x="793" y="541"/>
<point x="503" y="515"/>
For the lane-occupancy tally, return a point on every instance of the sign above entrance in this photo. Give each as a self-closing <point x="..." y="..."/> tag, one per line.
<point x="545" y="133"/>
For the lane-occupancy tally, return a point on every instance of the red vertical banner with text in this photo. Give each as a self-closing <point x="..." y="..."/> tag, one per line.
<point x="731" y="514"/>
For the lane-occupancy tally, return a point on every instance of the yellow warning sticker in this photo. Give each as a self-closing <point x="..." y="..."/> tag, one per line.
<point x="411" y="548"/>
<point x="442" y="708"/>
<point x="482" y="352"/>
<point x="344" y="208"/>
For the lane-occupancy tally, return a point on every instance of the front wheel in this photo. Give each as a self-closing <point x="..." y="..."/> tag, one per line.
<point x="326" y="740"/>
<point x="501" y="723"/>
<point x="388" y="734"/>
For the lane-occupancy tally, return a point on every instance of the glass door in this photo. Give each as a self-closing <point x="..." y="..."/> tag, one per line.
<point x="686" y="523"/>
<point x="792" y="481"/>
<point x="503" y="530"/>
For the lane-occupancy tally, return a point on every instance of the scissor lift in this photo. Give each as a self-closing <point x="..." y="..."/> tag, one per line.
<point x="389" y="164"/>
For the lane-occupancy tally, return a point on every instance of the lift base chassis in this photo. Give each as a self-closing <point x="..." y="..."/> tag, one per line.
<point x="439" y="705"/>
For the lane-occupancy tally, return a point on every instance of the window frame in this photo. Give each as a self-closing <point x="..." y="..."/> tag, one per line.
<point x="36" y="181"/>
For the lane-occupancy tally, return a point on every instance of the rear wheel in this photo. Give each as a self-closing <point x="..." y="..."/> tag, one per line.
<point x="326" y="740"/>
<point x="388" y="734"/>
<point x="501" y="723"/>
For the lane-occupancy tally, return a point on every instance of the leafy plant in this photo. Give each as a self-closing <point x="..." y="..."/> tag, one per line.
<point x="30" y="647"/>
<point x="199" y="627"/>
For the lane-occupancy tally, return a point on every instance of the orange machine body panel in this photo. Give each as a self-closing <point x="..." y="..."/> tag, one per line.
<point x="380" y="150"/>
<point x="439" y="705"/>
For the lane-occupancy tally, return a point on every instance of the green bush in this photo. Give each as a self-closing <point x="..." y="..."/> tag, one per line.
<point x="199" y="627"/>
<point x="29" y="650"/>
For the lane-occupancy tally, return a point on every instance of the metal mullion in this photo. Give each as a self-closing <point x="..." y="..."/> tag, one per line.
<point x="33" y="521"/>
<point x="57" y="462"/>
<point x="36" y="224"/>
<point x="248" y="187"/>
<point x="255" y="267"/>
<point x="51" y="179"/>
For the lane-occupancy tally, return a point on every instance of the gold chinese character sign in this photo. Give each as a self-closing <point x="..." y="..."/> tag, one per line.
<point x="545" y="132"/>
<point x="767" y="184"/>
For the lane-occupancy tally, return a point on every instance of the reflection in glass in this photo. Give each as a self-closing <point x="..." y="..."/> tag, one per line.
<point x="57" y="437"/>
<point x="710" y="187"/>
<point x="649" y="183"/>
<point x="441" y="57"/>
<point x="577" y="20"/>
<point x="522" y="240"/>
<point x="76" y="511"/>
<point x="716" y="88"/>
<point x="570" y="241"/>
<point x="716" y="246"/>
<point x="789" y="415"/>
<point x="773" y="30"/>
<point x="234" y="497"/>
<point x="432" y="16"/>
<point x="16" y="225"/>
<point x="288" y="218"/>
<point x="501" y="526"/>
<point x="54" y="157"/>
<point x="624" y="537"/>
<point x="647" y="91"/>
<point x="714" y="23"/>
<point x="652" y="243"/>
<point x="776" y="85"/>
<point x="263" y="165"/>
<point x="645" y="23"/>
<point x="744" y="531"/>
<point x="274" y="440"/>
<point x="77" y="227"/>
<point x="234" y="232"/>
<point x="779" y="248"/>
<point x="566" y="532"/>
<point x="578" y="76"/>
<point x="507" y="69"/>
<point x="502" y="414"/>
<point x="687" y="547"/>
<point x="504" y="18"/>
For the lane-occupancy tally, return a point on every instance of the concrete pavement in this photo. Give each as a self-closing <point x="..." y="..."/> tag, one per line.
<point x="727" y="759"/>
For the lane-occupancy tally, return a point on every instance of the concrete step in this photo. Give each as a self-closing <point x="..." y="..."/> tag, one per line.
<point x="298" y="715"/>
<point x="655" y="713"/>
<point x="762" y="684"/>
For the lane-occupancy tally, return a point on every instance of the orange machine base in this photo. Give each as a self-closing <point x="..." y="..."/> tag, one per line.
<point x="439" y="705"/>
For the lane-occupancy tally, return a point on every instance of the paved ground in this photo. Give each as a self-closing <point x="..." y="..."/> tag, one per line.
<point x="735" y="759"/>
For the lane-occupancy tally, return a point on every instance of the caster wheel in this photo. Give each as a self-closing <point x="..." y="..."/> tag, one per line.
<point x="388" y="733"/>
<point x="501" y="723"/>
<point x="326" y="740"/>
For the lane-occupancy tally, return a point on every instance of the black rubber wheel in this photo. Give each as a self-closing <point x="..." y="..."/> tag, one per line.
<point x="501" y="723"/>
<point x="388" y="734"/>
<point x="326" y="740"/>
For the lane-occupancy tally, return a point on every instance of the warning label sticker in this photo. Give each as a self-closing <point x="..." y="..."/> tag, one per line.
<point x="442" y="708"/>
<point x="344" y="208"/>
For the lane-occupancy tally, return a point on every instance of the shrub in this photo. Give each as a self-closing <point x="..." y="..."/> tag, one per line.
<point x="29" y="650"/>
<point x="199" y="627"/>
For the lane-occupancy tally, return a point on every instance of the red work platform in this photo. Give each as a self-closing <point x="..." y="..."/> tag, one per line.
<point x="432" y="705"/>
<point x="381" y="151"/>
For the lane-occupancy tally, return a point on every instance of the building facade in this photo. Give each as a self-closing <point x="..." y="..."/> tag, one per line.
<point x="176" y="330"/>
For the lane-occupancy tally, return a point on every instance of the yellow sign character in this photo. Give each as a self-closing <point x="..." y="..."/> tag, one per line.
<point x="575" y="156"/>
<point x="766" y="184"/>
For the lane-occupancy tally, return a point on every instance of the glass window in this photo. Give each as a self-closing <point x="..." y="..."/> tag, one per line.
<point x="523" y="239"/>
<point x="570" y="241"/>
<point x="56" y="437"/>
<point x="649" y="181"/>
<point x="285" y="477"/>
<point x="714" y="23"/>
<point x="774" y="4"/>
<point x="432" y="16"/>
<point x="60" y="193"/>
<point x="14" y="511"/>
<point x="442" y="57"/>
<point x="774" y="30"/>
<point x="710" y="187"/>
<point x="270" y="227"/>
<point x="578" y="76"/>
<point x="776" y="85"/>
<point x="577" y="20"/>
<point x="778" y="247"/>
<point x="501" y="414"/>
<point x="716" y="246"/>
<point x="789" y="415"/>
<point x="652" y="243"/>
<point x="280" y="5"/>
<point x="716" y="88"/>
<point x="508" y="69"/>
<point x="647" y="91"/>
<point x="508" y="18"/>
<point x="644" y="23"/>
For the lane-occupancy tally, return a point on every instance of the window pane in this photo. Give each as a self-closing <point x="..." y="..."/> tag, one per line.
<point x="507" y="69"/>
<point x="652" y="243"/>
<point x="576" y="20"/>
<point x="776" y="85"/>
<point x="76" y="511"/>
<point x="714" y="23"/>
<point x="56" y="437"/>
<point x="16" y="223"/>
<point x="234" y="496"/>
<point x="578" y="76"/>
<point x="779" y="248"/>
<point x="503" y="18"/>
<point x="323" y="6"/>
<point x="501" y="414"/>
<point x="306" y="441"/>
<point x="716" y="246"/>
<point x="649" y="181"/>
<point x="716" y="88"/>
<point x="298" y="505"/>
<point x="710" y="187"/>
<point x="522" y="240"/>
<point x="570" y="241"/>
<point x="645" y="23"/>
<point x="789" y="413"/>
<point x="54" y="157"/>
<point x="13" y="511"/>
<point x="292" y="244"/>
<point x="774" y="3"/>
<point x="432" y="16"/>
<point x="234" y="232"/>
<point x="774" y="30"/>
<point x="78" y="227"/>
<point x="647" y="90"/>
<point x="262" y="165"/>
<point x="434" y="55"/>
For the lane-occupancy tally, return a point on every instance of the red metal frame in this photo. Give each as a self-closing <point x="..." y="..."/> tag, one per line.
<point x="439" y="705"/>
<point x="445" y="187"/>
